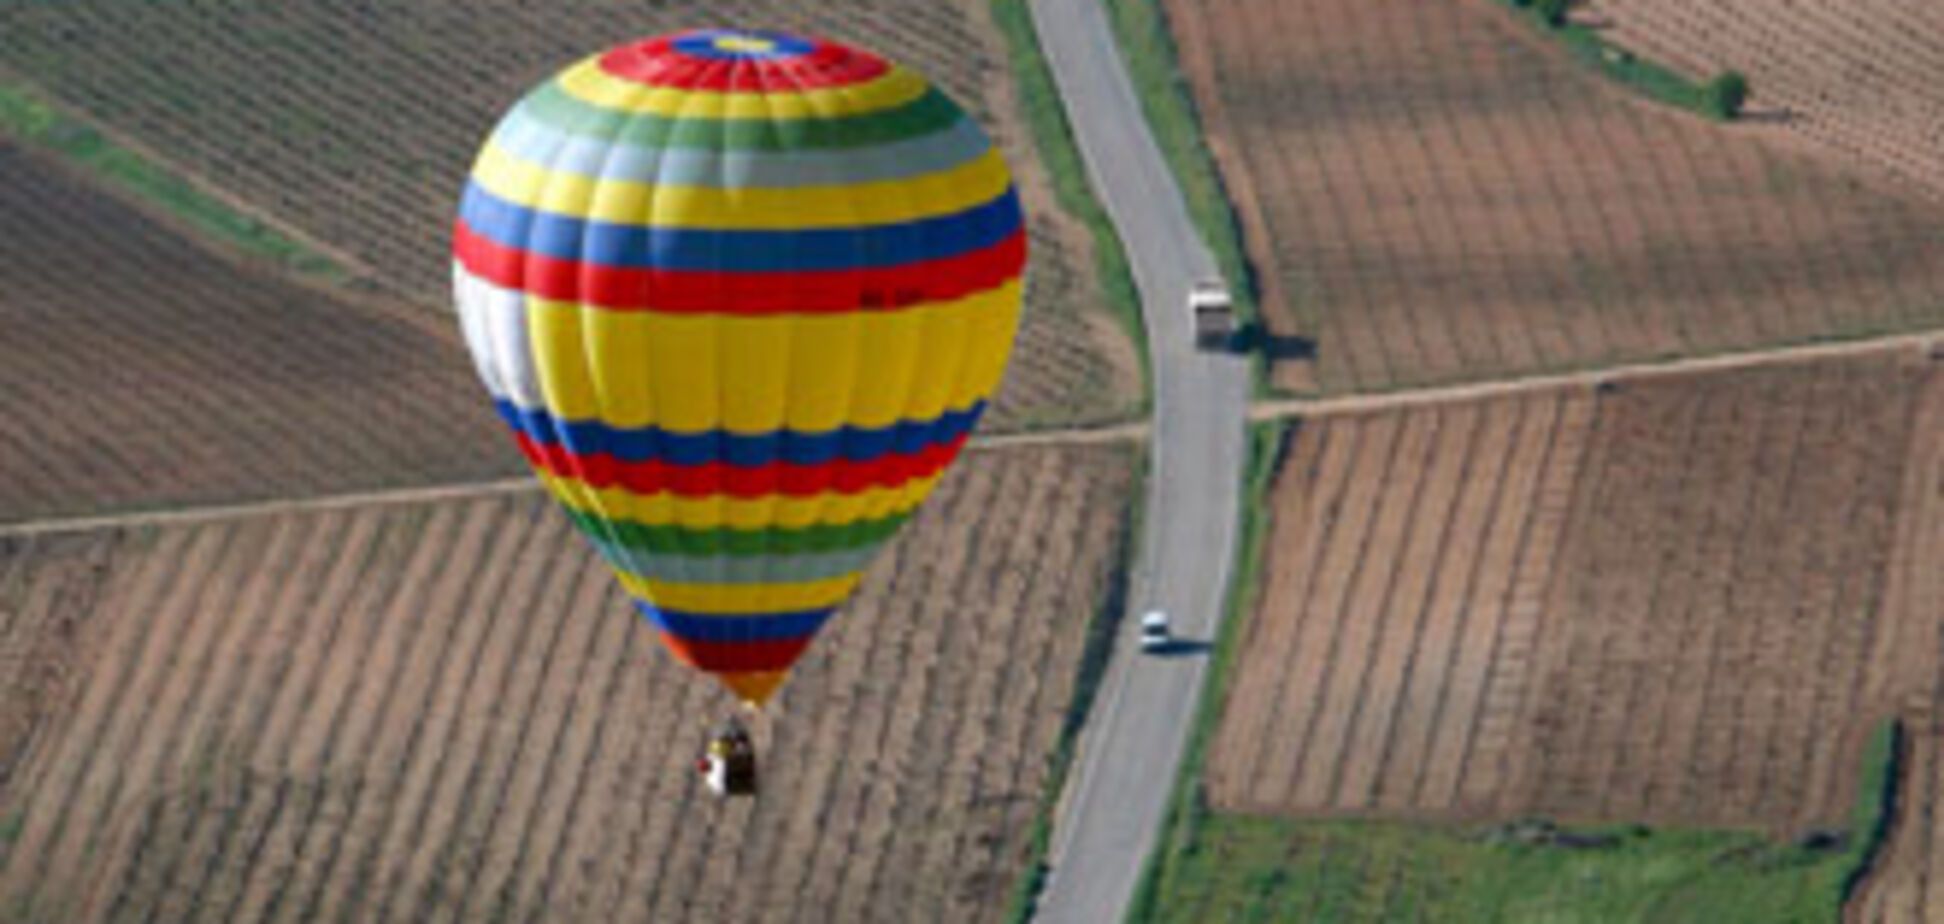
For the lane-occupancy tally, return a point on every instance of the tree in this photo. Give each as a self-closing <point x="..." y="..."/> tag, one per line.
<point x="1553" y="11"/>
<point x="1726" y="94"/>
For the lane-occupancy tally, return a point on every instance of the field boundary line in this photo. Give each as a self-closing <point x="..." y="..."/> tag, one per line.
<point x="353" y="267"/>
<point x="1280" y="408"/>
<point x="1089" y="436"/>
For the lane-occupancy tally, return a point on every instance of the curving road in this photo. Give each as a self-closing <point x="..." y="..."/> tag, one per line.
<point x="1133" y="742"/>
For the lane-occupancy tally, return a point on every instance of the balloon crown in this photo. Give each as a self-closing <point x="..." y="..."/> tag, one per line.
<point x="736" y="44"/>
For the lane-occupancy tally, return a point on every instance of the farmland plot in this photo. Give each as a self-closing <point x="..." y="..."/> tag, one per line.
<point x="1861" y="81"/>
<point x="1660" y="602"/>
<point x="1907" y="884"/>
<point x="1431" y="192"/>
<point x="355" y="122"/>
<point x="139" y="369"/>
<point x="446" y="712"/>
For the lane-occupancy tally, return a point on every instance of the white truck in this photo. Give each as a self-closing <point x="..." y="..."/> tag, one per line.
<point x="1212" y="314"/>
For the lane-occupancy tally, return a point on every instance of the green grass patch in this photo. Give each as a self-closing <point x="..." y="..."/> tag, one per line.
<point x="1094" y="655"/>
<point x="1045" y="118"/>
<point x="1648" y="78"/>
<point x="1242" y="868"/>
<point x="1147" y="45"/>
<point x="28" y="117"/>
<point x="1220" y="867"/>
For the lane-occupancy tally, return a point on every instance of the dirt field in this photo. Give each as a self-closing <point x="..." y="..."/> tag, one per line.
<point x="1662" y="603"/>
<point x="446" y="712"/>
<point x="1907" y="885"/>
<point x="1862" y="80"/>
<point x="1433" y="192"/>
<point x="355" y="122"/>
<point x="139" y="369"/>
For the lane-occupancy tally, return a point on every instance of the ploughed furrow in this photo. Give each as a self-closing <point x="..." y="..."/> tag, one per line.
<point x="192" y="775"/>
<point x="537" y="795"/>
<point x="1365" y="611"/>
<point x="1458" y="538"/>
<point x="1907" y="884"/>
<point x="1518" y="463"/>
<point x="1309" y="682"/>
<point x="459" y="696"/>
<point x="344" y="126"/>
<point x="1721" y="606"/>
<point x="1520" y="649"/>
<point x="1433" y="196"/>
<point x="311" y="785"/>
<point x="1671" y="599"/>
<point x="446" y="711"/>
<point x="144" y="369"/>
<point x="1381" y="697"/>
<point x="1300" y="485"/>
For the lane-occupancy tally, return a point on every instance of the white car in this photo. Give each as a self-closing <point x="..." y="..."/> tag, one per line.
<point x="1154" y="631"/>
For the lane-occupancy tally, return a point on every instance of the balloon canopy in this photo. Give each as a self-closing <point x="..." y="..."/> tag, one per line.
<point x="741" y="297"/>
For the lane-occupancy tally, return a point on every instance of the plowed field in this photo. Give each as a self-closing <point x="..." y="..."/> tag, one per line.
<point x="1907" y="885"/>
<point x="446" y="712"/>
<point x="1662" y="602"/>
<point x="1434" y="192"/>
<point x="355" y="122"/>
<point x="1862" y="80"/>
<point x="139" y="369"/>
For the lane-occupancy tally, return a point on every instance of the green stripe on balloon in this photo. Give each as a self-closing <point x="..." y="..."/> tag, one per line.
<point x="931" y="112"/>
<point x="676" y="540"/>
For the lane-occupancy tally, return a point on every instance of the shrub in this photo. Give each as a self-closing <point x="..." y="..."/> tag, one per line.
<point x="1726" y="94"/>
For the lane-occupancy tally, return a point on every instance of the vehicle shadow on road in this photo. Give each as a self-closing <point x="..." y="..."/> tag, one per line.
<point x="1178" y="648"/>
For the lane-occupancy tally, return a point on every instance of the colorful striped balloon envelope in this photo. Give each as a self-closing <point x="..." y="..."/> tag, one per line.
<point x="741" y="297"/>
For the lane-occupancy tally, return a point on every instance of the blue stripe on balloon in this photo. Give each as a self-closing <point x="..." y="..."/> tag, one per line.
<point x="745" y="628"/>
<point x="702" y="44"/>
<point x="643" y="444"/>
<point x="712" y="250"/>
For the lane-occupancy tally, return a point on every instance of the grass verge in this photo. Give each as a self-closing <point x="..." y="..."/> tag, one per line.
<point x="26" y="116"/>
<point x="1621" y="65"/>
<point x="1188" y="809"/>
<point x="1045" y="117"/>
<point x="1093" y="667"/>
<point x="1147" y="45"/>
<point x="1242" y="868"/>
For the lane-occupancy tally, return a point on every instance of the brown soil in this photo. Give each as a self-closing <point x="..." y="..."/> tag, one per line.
<point x="141" y="370"/>
<point x="355" y="123"/>
<point x="1861" y="82"/>
<point x="1662" y="602"/>
<point x="1907" y="884"/>
<point x="446" y="712"/>
<point x="1436" y="195"/>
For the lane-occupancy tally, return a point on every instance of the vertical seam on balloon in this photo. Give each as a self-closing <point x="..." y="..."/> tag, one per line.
<point x="788" y="76"/>
<point x="605" y="518"/>
<point x="769" y="552"/>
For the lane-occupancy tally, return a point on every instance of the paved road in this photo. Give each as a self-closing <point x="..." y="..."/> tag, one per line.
<point x="1133" y="742"/>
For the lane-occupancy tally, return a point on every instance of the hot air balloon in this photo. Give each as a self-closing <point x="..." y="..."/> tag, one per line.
<point x="741" y="297"/>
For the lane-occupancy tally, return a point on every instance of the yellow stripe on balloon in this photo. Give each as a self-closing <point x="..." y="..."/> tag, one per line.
<point x="808" y="372"/>
<point x="590" y="84"/>
<point x="831" y="508"/>
<point x="522" y="182"/>
<point x="739" y="599"/>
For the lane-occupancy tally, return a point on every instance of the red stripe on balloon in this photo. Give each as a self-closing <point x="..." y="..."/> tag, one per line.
<point x="701" y="292"/>
<point x="733" y="657"/>
<point x="656" y="63"/>
<point x="603" y="470"/>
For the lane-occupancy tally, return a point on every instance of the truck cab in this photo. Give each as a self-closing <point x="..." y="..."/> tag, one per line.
<point x="1212" y="314"/>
